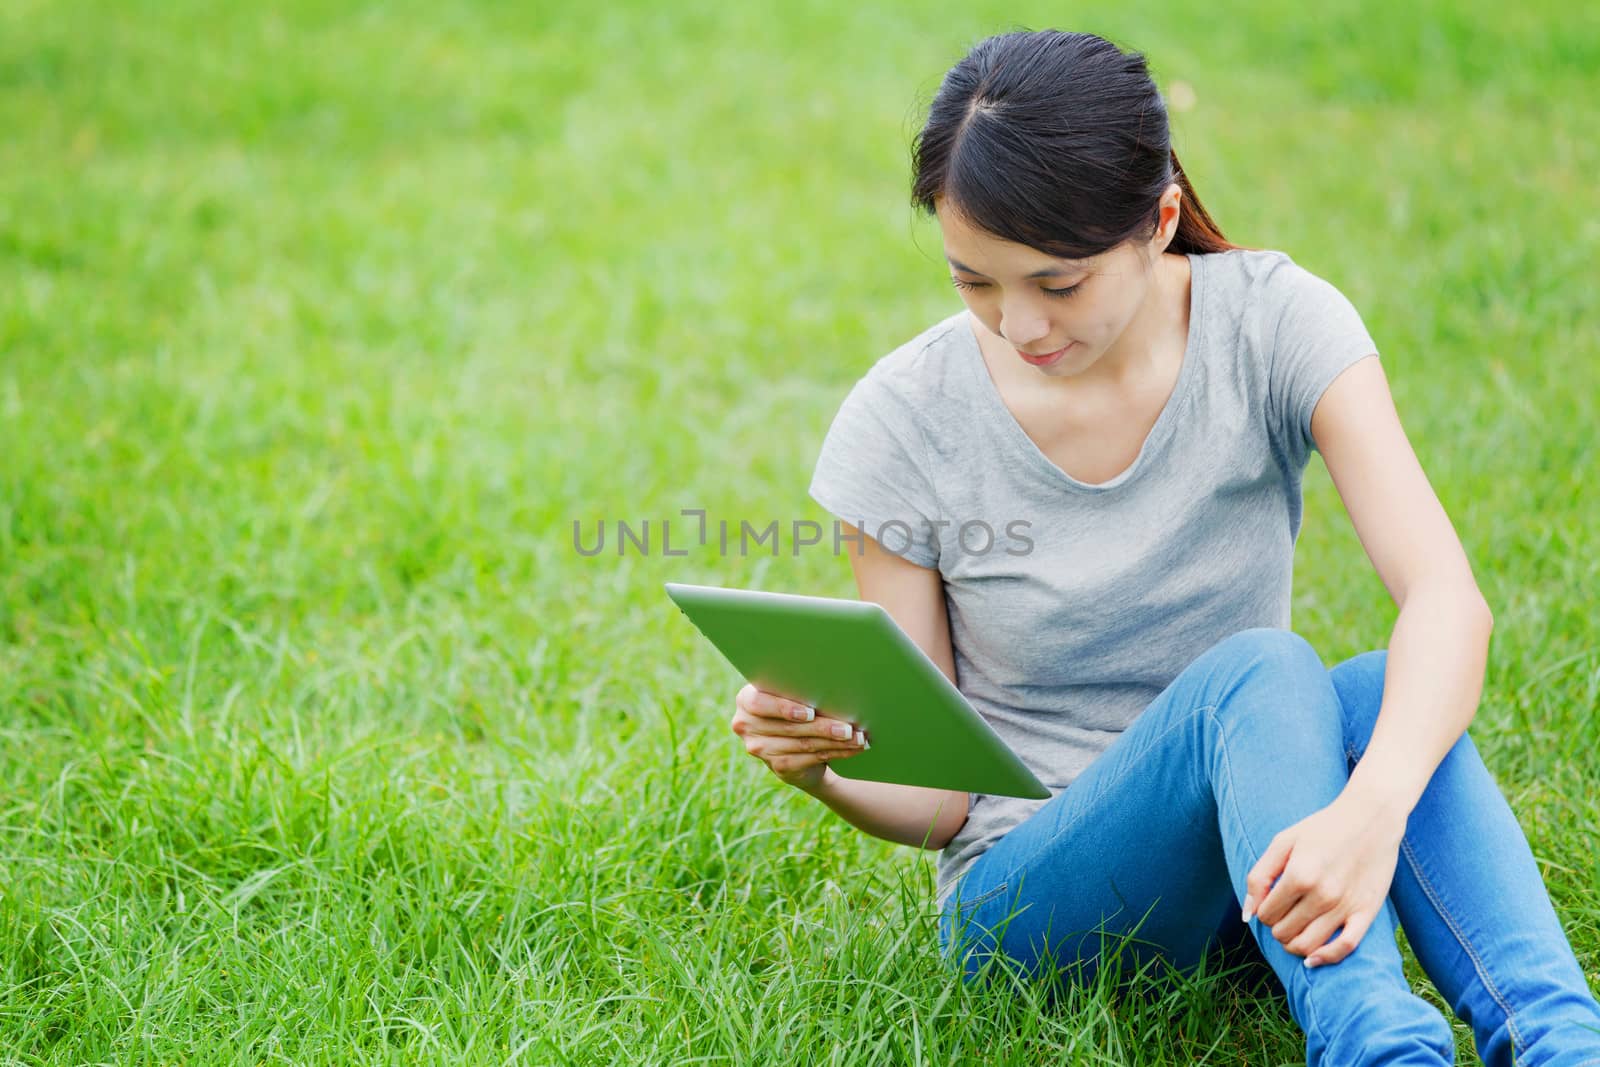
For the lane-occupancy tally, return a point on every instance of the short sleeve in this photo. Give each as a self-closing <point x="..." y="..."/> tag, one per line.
<point x="1319" y="334"/>
<point x="872" y="473"/>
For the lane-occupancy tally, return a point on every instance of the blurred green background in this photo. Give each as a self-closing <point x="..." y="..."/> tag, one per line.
<point x="321" y="325"/>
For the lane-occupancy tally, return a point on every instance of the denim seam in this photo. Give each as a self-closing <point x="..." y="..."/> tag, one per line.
<point x="958" y="905"/>
<point x="1222" y="744"/>
<point x="1521" y="1046"/>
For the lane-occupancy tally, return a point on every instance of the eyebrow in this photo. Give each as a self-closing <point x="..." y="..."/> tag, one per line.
<point x="1048" y="272"/>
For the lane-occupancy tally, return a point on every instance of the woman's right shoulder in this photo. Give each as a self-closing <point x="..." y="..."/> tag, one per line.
<point x="923" y="371"/>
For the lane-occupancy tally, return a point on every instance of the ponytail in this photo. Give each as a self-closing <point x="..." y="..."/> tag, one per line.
<point x="1196" y="231"/>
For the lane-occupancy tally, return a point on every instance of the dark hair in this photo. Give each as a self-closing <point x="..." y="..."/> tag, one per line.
<point x="1058" y="141"/>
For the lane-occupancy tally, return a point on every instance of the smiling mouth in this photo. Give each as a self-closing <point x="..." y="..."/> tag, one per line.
<point x="1045" y="355"/>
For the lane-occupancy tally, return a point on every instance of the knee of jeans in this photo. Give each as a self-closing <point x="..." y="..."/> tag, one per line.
<point x="1282" y="649"/>
<point x="1359" y="683"/>
<point x="1274" y="658"/>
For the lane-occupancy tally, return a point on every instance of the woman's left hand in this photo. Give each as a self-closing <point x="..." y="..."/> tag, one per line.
<point x="1333" y="868"/>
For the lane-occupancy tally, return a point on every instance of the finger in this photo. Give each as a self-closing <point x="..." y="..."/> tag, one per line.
<point x="768" y="705"/>
<point x="1258" y="883"/>
<point x="1310" y="906"/>
<point x="796" y="761"/>
<point x="1300" y="878"/>
<point x="775" y="726"/>
<point x="823" y="728"/>
<point x="822" y="733"/>
<point x="1284" y="896"/>
<point x="1315" y="934"/>
<point x="834" y="730"/>
<point x="1355" y="928"/>
<point x="786" y="745"/>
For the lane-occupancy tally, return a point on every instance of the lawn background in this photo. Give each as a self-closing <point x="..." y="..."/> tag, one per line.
<point x="320" y="326"/>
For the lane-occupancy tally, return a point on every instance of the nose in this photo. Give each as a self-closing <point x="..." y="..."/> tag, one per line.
<point x="1022" y="326"/>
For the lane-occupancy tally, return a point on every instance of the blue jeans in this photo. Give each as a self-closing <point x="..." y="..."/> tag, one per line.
<point x="1152" y="841"/>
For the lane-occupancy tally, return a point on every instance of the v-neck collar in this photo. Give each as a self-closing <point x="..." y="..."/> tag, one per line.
<point x="986" y="388"/>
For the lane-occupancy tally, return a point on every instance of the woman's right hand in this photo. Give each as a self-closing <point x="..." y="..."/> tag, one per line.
<point x="790" y="738"/>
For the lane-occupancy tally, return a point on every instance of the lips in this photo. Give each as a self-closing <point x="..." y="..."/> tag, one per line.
<point x="1048" y="358"/>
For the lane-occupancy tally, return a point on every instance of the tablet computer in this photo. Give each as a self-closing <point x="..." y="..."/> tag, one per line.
<point x="850" y="660"/>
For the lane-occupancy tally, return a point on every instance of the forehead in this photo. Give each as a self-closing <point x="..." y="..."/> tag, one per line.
<point x="980" y="252"/>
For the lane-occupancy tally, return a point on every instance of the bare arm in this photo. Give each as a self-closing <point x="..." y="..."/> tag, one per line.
<point x="905" y="814"/>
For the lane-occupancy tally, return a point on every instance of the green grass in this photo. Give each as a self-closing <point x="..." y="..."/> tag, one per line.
<point x="319" y="329"/>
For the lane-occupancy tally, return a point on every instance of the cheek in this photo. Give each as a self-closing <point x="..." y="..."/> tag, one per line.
<point x="1090" y="324"/>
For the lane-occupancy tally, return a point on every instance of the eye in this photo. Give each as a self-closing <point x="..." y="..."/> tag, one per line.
<point x="1068" y="291"/>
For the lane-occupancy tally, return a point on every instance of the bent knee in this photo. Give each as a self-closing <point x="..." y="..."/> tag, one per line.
<point x="1266" y="644"/>
<point x="1281" y="660"/>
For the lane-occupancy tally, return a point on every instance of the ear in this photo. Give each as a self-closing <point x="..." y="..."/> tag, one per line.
<point x="1171" y="212"/>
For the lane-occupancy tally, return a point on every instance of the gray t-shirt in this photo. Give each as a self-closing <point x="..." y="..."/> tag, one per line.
<point x="1073" y="605"/>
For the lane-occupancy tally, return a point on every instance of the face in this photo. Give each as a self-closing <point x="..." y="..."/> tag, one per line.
<point x="1073" y="310"/>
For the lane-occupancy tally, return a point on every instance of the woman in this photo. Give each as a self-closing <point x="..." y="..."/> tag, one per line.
<point x="1138" y="398"/>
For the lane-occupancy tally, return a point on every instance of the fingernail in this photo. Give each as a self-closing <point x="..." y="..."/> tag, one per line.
<point x="841" y="730"/>
<point x="801" y="714"/>
<point x="861" y="738"/>
<point x="1248" y="909"/>
<point x="1310" y="963"/>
